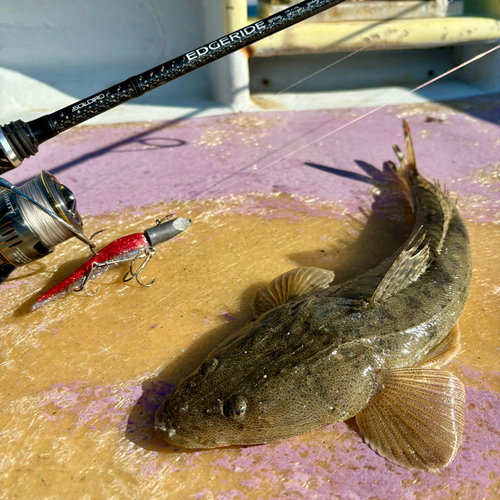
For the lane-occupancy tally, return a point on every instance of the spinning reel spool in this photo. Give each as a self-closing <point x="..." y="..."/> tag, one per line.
<point x="34" y="218"/>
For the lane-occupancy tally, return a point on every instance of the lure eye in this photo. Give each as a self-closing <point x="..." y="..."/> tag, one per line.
<point x="236" y="407"/>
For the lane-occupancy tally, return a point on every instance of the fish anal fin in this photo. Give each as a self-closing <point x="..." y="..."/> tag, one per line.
<point x="445" y="351"/>
<point x="291" y="284"/>
<point x="410" y="264"/>
<point x="416" y="418"/>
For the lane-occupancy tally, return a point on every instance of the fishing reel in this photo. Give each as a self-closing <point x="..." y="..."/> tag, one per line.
<point x="34" y="218"/>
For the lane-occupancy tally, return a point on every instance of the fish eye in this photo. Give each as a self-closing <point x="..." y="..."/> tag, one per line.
<point x="236" y="407"/>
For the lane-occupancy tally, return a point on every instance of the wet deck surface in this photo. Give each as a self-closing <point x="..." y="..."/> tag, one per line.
<point x="82" y="377"/>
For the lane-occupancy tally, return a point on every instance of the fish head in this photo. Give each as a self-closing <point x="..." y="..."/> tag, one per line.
<point x="209" y="410"/>
<point x="237" y="399"/>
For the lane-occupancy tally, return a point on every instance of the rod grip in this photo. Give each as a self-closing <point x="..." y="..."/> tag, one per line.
<point x="17" y="143"/>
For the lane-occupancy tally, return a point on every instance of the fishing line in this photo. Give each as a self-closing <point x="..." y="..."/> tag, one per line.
<point x="371" y="112"/>
<point x="50" y="232"/>
<point x="317" y="72"/>
<point x="214" y="127"/>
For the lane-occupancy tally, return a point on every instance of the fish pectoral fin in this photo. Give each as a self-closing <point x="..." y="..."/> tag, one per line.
<point x="416" y="418"/>
<point x="408" y="267"/>
<point x="445" y="351"/>
<point x="291" y="284"/>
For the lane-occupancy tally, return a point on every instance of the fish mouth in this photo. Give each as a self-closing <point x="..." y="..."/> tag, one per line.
<point x="173" y="436"/>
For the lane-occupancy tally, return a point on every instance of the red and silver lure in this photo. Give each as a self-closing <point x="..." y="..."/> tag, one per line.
<point x="129" y="248"/>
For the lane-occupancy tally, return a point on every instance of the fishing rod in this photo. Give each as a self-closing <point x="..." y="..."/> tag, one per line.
<point x="20" y="140"/>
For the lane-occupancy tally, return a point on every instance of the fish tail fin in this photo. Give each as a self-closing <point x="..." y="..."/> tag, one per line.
<point x="443" y="200"/>
<point x="407" y="164"/>
<point x="411" y="164"/>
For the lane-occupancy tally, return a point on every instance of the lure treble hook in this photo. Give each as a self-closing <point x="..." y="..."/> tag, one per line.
<point x="129" y="248"/>
<point x="147" y="256"/>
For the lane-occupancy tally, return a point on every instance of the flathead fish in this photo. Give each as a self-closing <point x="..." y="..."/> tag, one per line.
<point x="372" y="348"/>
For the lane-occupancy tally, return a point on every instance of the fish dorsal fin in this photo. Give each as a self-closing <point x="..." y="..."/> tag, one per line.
<point x="291" y="284"/>
<point x="445" y="351"/>
<point x="410" y="264"/>
<point x="416" y="418"/>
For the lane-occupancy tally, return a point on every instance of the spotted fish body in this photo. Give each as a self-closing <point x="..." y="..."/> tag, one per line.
<point x="370" y="348"/>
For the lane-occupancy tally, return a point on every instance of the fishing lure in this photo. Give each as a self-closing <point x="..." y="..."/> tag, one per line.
<point x="133" y="247"/>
